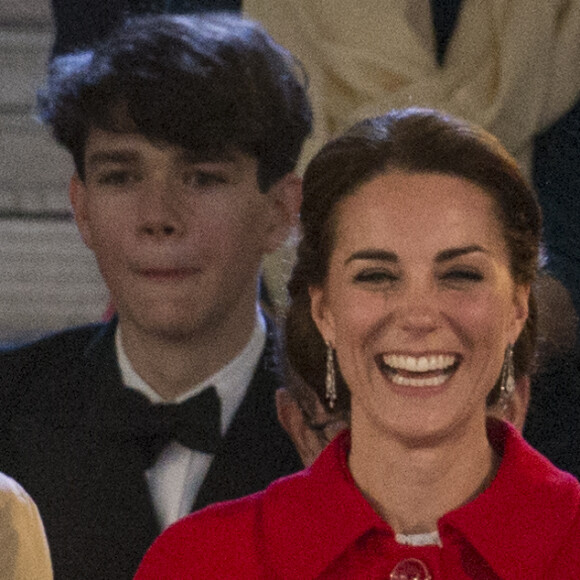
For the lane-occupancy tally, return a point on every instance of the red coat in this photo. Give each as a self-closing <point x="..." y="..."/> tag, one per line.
<point x="316" y="524"/>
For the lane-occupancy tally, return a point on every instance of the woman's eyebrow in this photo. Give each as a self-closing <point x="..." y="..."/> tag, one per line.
<point x="452" y="253"/>
<point x="373" y="254"/>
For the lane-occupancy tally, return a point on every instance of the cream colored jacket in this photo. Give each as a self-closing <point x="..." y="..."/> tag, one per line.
<point x="24" y="552"/>
<point x="512" y="66"/>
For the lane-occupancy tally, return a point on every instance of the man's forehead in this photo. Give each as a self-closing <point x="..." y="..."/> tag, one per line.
<point x="118" y="126"/>
<point x="108" y="144"/>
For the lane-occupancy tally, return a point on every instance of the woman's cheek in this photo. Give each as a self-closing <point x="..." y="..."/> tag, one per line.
<point x="475" y="313"/>
<point x="358" y="314"/>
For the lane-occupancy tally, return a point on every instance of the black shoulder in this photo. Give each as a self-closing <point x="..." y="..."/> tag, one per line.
<point x="39" y="360"/>
<point x="70" y="338"/>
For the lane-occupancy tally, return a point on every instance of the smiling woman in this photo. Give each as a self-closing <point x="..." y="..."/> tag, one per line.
<point x="412" y="305"/>
<point x="421" y="311"/>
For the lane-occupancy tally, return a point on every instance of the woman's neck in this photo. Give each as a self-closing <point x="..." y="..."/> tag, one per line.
<point x="411" y="486"/>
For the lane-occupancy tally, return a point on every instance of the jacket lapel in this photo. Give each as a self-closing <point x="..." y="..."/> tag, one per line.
<point x="125" y="498"/>
<point x="255" y="450"/>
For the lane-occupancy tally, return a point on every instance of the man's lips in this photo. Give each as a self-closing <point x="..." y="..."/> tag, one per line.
<point x="166" y="274"/>
<point x="427" y="370"/>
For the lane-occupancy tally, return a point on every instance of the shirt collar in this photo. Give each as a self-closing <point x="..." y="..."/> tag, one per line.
<point x="329" y="513"/>
<point x="231" y="381"/>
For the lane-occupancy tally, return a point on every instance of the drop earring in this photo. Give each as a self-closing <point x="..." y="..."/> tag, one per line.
<point x="507" y="381"/>
<point x="330" y="376"/>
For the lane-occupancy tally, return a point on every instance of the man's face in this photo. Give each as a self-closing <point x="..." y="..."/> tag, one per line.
<point x="178" y="238"/>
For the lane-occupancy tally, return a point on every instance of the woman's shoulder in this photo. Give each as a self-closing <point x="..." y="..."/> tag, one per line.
<point x="224" y="540"/>
<point x="524" y="466"/>
<point x="211" y="543"/>
<point x="244" y="538"/>
<point x="545" y="499"/>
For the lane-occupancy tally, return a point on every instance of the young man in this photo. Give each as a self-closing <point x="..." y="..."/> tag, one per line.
<point x="185" y="132"/>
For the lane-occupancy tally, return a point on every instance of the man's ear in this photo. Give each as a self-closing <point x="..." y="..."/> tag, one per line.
<point x="285" y="197"/>
<point x="78" y="199"/>
<point x="321" y="314"/>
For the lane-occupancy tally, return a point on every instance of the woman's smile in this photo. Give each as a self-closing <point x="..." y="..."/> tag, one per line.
<point x="427" y="370"/>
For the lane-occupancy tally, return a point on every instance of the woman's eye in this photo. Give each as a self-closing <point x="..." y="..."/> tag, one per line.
<point x="375" y="276"/>
<point x="463" y="275"/>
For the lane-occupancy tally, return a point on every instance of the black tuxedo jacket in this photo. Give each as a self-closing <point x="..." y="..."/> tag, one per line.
<point x="56" y="398"/>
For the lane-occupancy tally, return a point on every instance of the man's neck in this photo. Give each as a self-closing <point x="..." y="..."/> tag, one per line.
<point x="173" y="367"/>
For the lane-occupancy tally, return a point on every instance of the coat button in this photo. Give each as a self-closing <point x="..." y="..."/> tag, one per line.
<point x="410" y="569"/>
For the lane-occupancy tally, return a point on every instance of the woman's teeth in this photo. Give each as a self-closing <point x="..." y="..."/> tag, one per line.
<point x="423" y="371"/>
<point x="419" y="364"/>
<point x="416" y="382"/>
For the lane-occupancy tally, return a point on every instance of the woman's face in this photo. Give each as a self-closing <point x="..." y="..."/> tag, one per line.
<point x="419" y="302"/>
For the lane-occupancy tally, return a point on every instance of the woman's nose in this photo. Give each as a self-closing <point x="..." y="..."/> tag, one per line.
<point x="418" y="310"/>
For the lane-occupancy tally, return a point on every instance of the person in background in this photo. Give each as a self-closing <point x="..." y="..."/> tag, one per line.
<point x="310" y="425"/>
<point x="24" y="553"/>
<point x="413" y="295"/>
<point x="511" y="66"/>
<point x="184" y="132"/>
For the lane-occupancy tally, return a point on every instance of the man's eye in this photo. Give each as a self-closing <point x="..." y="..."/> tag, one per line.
<point x="204" y="179"/>
<point x="375" y="276"/>
<point x="115" y="178"/>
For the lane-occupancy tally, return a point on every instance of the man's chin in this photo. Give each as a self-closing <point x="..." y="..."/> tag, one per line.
<point x="162" y="327"/>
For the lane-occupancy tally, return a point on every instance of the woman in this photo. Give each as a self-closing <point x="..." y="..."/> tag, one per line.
<point x="23" y="549"/>
<point x="420" y="244"/>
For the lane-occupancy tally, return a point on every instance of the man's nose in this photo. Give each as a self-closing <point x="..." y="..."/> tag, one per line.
<point x="159" y="211"/>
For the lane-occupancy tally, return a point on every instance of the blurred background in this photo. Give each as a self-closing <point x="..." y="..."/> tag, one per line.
<point x="48" y="279"/>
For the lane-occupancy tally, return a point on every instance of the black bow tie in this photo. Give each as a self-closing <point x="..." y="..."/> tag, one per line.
<point x="195" y="423"/>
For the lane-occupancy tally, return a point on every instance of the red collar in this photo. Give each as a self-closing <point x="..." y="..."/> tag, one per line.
<point x="528" y="499"/>
<point x="312" y="517"/>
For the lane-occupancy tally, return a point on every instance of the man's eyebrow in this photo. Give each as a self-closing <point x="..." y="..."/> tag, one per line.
<point x="188" y="156"/>
<point x="452" y="253"/>
<point x="116" y="156"/>
<point x="373" y="254"/>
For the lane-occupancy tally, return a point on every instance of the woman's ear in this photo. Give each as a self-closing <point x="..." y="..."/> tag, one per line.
<point x="321" y="314"/>
<point x="521" y="310"/>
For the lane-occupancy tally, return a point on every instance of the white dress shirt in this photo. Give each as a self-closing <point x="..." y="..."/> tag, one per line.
<point x="176" y="477"/>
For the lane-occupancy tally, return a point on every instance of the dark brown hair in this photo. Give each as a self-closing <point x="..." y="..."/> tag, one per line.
<point x="417" y="141"/>
<point x="208" y="83"/>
